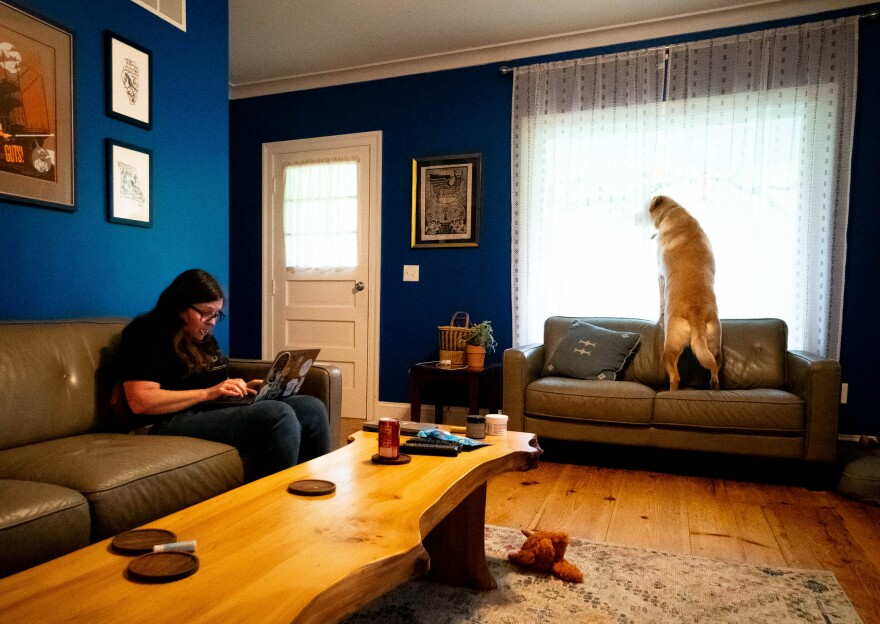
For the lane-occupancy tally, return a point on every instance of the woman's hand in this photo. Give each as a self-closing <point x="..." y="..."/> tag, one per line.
<point x="230" y="387"/>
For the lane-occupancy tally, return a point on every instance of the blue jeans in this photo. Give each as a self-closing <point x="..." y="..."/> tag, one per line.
<point x="269" y="435"/>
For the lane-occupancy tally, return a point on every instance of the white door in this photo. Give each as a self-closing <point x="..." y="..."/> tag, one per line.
<point x="321" y="215"/>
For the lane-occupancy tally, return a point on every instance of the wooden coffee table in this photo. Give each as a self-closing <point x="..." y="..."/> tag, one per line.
<point x="270" y="556"/>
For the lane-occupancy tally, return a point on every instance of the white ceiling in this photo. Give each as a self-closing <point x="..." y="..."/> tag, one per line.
<point x="283" y="45"/>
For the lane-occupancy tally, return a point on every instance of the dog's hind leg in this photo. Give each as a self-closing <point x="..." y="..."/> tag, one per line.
<point x="677" y="337"/>
<point x="702" y="346"/>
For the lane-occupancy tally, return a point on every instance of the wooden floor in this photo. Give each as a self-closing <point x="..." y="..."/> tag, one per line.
<point x="698" y="513"/>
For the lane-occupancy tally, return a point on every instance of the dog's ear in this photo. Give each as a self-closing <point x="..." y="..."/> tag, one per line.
<point x="655" y="201"/>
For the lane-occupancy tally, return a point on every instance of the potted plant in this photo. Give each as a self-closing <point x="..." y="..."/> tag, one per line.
<point x="479" y="341"/>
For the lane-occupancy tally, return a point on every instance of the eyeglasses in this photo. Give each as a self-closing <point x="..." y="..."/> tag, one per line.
<point x="219" y="315"/>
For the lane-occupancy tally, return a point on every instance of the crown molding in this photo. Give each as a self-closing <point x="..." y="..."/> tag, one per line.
<point x="758" y="12"/>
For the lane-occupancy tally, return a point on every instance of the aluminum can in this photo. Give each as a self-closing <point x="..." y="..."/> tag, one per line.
<point x="389" y="438"/>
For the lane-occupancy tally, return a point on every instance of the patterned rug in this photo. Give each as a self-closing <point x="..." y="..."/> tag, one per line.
<point x="623" y="585"/>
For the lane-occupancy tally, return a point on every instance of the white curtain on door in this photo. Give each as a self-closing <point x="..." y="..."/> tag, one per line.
<point x="752" y="133"/>
<point x="320" y="214"/>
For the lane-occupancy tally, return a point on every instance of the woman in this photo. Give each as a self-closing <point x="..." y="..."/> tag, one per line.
<point x="170" y="363"/>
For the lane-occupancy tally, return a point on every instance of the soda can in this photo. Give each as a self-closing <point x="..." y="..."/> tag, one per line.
<point x="389" y="438"/>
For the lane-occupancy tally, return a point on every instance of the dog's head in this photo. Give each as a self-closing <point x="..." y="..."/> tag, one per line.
<point x="658" y="208"/>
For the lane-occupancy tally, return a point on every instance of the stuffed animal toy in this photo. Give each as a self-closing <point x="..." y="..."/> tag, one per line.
<point x="544" y="551"/>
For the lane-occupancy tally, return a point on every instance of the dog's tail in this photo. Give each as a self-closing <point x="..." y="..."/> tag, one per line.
<point x="700" y="328"/>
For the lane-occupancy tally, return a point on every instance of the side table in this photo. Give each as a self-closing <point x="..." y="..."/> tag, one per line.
<point x="425" y="376"/>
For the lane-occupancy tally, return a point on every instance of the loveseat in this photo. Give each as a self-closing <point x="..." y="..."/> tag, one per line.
<point x="68" y="475"/>
<point x="772" y="402"/>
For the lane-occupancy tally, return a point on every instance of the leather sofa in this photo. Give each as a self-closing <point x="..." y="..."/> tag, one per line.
<point x="772" y="403"/>
<point x="68" y="475"/>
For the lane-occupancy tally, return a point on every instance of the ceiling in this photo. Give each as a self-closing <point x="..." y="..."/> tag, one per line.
<point x="283" y="45"/>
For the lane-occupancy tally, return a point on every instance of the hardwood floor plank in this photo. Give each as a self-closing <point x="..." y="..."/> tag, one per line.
<point x="583" y="502"/>
<point x="515" y="499"/>
<point x="650" y="512"/>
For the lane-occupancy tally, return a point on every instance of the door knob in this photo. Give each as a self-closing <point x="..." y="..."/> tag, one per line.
<point x="359" y="286"/>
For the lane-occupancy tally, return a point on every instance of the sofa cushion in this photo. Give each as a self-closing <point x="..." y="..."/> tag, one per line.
<point x="590" y="352"/>
<point x="753" y="353"/>
<point x="590" y="400"/>
<point x="50" y="385"/>
<point x="38" y="522"/>
<point x="764" y="411"/>
<point x="128" y="480"/>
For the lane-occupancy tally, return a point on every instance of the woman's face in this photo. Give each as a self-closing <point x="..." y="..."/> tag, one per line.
<point x="200" y="318"/>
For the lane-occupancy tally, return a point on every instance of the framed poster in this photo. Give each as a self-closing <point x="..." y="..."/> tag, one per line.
<point x="129" y="81"/>
<point x="446" y="201"/>
<point x="36" y="111"/>
<point x="129" y="184"/>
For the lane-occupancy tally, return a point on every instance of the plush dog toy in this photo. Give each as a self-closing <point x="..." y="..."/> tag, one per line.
<point x="544" y="551"/>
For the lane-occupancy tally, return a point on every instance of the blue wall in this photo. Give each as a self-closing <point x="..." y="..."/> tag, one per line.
<point x="468" y="110"/>
<point x="57" y="264"/>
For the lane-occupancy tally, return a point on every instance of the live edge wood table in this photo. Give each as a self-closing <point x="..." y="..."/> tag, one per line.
<point x="270" y="556"/>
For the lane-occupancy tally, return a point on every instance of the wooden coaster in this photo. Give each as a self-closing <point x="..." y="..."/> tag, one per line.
<point x="163" y="567"/>
<point x="311" y="487"/>
<point x="403" y="458"/>
<point x="141" y="541"/>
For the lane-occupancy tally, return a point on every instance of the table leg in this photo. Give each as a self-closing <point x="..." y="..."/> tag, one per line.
<point x="457" y="546"/>
<point x="474" y="394"/>
<point x="415" y="398"/>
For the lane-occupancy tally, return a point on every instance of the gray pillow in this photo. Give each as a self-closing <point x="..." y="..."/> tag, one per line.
<point x="590" y="352"/>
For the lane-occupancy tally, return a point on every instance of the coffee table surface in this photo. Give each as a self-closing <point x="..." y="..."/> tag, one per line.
<point x="270" y="556"/>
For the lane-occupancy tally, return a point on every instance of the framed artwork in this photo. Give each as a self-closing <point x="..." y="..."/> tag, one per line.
<point x="129" y="81"/>
<point x="129" y="184"/>
<point x="446" y="201"/>
<point x="36" y="111"/>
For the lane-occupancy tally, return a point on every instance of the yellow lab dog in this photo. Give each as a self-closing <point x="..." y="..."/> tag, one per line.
<point x="688" y="311"/>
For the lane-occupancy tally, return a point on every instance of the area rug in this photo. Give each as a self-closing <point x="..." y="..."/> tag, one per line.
<point x="623" y="585"/>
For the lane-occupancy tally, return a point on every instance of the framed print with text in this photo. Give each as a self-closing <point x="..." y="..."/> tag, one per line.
<point x="129" y="81"/>
<point x="36" y="111"/>
<point x="446" y="201"/>
<point x="129" y="184"/>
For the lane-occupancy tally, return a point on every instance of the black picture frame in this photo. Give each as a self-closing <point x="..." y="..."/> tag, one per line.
<point x="129" y="184"/>
<point x="446" y="201"/>
<point x="128" y="80"/>
<point x="36" y="113"/>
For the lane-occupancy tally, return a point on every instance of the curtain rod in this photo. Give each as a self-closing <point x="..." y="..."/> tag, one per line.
<point x="873" y="13"/>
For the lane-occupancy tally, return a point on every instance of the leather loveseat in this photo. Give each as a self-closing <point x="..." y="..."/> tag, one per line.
<point x="772" y="402"/>
<point x="68" y="477"/>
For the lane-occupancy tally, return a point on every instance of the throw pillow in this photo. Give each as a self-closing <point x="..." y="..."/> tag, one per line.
<point x="591" y="352"/>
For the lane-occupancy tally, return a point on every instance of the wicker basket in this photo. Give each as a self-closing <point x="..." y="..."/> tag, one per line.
<point x="454" y="336"/>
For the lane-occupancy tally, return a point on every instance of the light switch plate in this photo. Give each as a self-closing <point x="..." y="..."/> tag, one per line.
<point x="410" y="272"/>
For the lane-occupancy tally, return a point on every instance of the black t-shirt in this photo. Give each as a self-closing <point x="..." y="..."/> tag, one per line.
<point x="147" y="354"/>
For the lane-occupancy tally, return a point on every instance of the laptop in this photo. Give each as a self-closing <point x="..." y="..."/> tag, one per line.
<point x="283" y="379"/>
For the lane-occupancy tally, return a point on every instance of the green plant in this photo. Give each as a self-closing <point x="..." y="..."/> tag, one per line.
<point x="481" y="336"/>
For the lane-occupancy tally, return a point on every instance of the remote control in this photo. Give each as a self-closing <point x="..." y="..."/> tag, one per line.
<point x="430" y="446"/>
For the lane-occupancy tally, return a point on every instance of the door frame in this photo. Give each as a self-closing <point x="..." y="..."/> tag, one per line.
<point x="373" y="140"/>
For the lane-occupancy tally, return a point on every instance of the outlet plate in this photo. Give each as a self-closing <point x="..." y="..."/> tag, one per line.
<point x="844" y="393"/>
<point x="410" y="272"/>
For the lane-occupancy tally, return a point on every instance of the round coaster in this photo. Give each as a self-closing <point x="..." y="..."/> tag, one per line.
<point x="163" y="567"/>
<point x="403" y="458"/>
<point x="311" y="487"/>
<point x="141" y="541"/>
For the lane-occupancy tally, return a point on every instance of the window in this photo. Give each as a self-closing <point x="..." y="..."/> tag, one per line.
<point x="320" y="215"/>
<point x="751" y="133"/>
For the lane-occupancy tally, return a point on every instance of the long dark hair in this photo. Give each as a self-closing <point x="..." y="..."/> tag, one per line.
<point x="190" y="287"/>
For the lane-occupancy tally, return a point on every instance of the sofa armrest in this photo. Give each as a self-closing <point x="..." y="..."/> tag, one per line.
<point x="522" y="365"/>
<point x="323" y="381"/>
<point x="816" y="380"/>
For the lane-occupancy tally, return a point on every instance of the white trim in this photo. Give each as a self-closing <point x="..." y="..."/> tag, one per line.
<point x="373" y="140"/>
<point x="761" y="11"/>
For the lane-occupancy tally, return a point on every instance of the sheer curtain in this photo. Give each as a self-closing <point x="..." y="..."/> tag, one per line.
<point x="751" y="133"/>
<point x="320" y="214"/>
